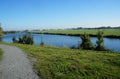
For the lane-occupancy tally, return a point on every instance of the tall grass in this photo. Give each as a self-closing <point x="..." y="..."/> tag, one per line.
<point x="65" y="63"/>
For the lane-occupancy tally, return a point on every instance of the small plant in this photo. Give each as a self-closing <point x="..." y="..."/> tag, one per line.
<point x="100" y="41"/>
<point x="42" y="43"/>
<point x="79" y="45"/>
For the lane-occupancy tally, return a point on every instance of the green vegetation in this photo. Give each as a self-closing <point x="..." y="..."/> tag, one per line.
<point x="107" y="32"/>
<point x="1" y="33"/>
<point x="100" y="41"/>
<point x="86" y="42"/>
<point x="14" y="40"/>
<point x="25" y="39"/>
<point x="1" y="54"/>
<point x="65" y="63"/>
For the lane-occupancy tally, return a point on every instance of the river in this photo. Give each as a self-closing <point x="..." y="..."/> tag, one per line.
<point x="65" y="41"/>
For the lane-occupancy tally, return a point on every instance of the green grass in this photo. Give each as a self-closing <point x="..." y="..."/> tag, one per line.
<point x="65" y="63"/>
<point x="1" y="54"/>
<point x="107" y="32"/>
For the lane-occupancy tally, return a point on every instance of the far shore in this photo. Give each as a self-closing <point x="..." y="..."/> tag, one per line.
<point x="91" y="35"/>
<point x="108" y="33"/>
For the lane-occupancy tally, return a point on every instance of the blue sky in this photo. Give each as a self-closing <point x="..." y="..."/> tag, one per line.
<point x="56" y="14"/>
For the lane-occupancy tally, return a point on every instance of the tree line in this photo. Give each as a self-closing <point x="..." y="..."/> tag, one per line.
<point x="102" y="27"/>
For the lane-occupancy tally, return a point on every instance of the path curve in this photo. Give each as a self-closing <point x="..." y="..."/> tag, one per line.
<point x="15" y="64"/>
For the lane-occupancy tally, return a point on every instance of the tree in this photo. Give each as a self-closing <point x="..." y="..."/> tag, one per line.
<point x="86" y="42"/>
<point x="100" y="41"/>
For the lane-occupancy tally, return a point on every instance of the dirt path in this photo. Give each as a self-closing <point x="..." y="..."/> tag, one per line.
<point x="15" y="64"/>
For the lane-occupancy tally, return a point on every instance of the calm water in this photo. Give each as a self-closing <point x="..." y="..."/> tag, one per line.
<point x="65" y="41"/>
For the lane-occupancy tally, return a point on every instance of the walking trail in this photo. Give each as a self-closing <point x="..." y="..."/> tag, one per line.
<point x="15" y="64"/>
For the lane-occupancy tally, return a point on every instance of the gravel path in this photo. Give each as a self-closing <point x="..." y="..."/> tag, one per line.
<point x="15" y="64"/>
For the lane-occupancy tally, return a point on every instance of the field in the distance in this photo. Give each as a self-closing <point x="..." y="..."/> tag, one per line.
<point x="107" y="32"/>
<point x="65" y="63"/>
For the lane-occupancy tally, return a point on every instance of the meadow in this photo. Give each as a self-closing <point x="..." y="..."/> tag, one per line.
<point x="65" y="63"/>
<point x="107" y="32"/>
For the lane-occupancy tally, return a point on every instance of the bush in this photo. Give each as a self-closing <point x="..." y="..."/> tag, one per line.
<point x="1" y="33"/>
<point x="86" y="42"/>
<point x="14" y="40"/>
<point x="100" y="41"/>
<point x="25" y="39"/>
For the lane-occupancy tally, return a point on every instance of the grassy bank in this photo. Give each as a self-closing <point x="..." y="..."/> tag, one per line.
<point x="1" y="54"/>
<point x="64" y="63"/>
<point x="107" y="33"/>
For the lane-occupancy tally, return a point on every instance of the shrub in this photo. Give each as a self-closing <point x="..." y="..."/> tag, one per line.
<point x="25" y="39"/>
<point x="86" y="42"/>
<point x="1" y="33"/>
<point x="14" y="40"/>
<point x="100" y="41"/>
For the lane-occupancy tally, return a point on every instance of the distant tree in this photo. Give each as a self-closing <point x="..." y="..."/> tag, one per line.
<point x="14" y="40"/>
<point x="1" y="33"/>
<point x="86" y="42"/>
<point x="100" y="41"/>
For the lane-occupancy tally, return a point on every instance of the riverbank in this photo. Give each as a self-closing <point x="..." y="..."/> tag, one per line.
<point x="110" y="33"/>
<point x="65" y="63"/>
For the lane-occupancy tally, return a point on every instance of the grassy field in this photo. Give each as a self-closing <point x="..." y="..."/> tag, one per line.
<point x="1" y="54"/>
<point x="65" y="63"/>
<point x="110" y="32"/>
